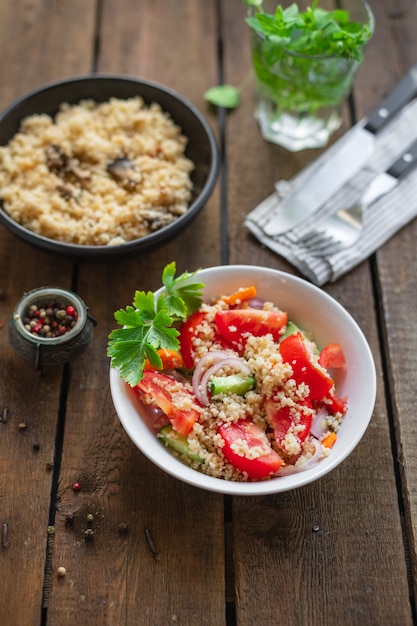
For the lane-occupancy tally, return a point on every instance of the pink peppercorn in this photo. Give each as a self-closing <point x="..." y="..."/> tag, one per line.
<point x="76" y="487"/>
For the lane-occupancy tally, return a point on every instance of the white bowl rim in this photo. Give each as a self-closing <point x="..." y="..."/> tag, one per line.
<point x="281" y="484"/>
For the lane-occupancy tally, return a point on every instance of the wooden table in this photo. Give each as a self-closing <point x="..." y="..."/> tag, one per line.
<point x="341" y="551"/>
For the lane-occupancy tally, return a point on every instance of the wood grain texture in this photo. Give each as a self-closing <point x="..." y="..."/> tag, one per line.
<point x="30" y="31"/>
<point x="398" y="300"/>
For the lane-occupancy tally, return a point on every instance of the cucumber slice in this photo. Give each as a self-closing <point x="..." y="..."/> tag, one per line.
<point x="236" y="383"/>
<point x="177" y="442"/>
<point x="291" y="329"/>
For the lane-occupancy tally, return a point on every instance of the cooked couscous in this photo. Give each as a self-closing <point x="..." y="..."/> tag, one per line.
<point x="96" y="174"/>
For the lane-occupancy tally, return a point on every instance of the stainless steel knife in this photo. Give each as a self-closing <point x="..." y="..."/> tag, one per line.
<point x="355" y="149"/>
<point x="386" y="181"/>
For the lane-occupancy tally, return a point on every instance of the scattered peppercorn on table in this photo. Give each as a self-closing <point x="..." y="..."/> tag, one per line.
<point x="91" y="531"/>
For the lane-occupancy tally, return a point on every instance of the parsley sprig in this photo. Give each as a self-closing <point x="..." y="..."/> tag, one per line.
<point x="148" y="324"/>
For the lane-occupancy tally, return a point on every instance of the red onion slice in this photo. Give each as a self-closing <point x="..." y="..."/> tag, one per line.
<point x="320" y="425"/>
<point x="201" y="377"/>
<point x="207" y="360"/>
<point x="300" y="467"/>
<point x="255" y="303"/>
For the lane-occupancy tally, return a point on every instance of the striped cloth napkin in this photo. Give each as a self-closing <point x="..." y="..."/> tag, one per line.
<point x="381" y="219"/>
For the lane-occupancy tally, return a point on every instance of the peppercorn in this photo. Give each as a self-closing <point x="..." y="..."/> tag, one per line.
<point x="76" y="487"/>
<point x="89" y="533"/>
<point x="123" y="528"/>
<point x="69" y="519"/>
<point x="50" y="319"/>
<point x="61" y="571"/>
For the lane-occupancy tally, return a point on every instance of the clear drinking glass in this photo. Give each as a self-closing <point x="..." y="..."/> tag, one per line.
<point x="299" y="98"/>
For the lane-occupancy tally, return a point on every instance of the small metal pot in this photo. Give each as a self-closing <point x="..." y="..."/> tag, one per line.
<point x="50" y="350"/>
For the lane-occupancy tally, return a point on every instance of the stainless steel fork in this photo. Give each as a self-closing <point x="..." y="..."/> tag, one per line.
<point x="338" y="231"/>
<point x="342" y="229"/>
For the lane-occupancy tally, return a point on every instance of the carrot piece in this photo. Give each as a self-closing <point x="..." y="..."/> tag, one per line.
<point x="329" y="440"/>
<point x="244" y="293"/>
<point x="171" y="359"/>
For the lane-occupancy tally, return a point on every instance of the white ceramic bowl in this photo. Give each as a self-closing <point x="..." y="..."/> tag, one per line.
<point x="310" y="308"/>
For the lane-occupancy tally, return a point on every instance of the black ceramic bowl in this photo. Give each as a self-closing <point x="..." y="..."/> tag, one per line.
<point x="201" y="149"/>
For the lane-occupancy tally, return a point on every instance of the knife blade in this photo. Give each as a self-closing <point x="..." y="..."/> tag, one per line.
<point x="355" y="149"/>
<point x="384" y="182"/>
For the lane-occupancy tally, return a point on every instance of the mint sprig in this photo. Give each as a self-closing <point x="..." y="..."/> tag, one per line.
<point x="313" y="32"/>
<point x="148" y="324"/>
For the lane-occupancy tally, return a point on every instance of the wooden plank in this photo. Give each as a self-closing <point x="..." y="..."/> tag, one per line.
<point x="331" y="552"/>
<point x="399" y="305"/>
<point x="114" y="578"/>
<point x="396" y="263"/>
<point x="27" y="435"/>
<point x="27" y="32"/>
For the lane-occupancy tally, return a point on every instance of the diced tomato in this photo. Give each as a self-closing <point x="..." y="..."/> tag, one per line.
<point x="332" y="356"/>
<point x="188" y="331"/>
<point x="334" y="403"/>
<point x="281" y="419"/>
<point x="294" y="351"/>
<point x="169" y="394"/>
<point x="171" y="359"/>
<point x="253" y="437"/>
<point x="234" y="324"/>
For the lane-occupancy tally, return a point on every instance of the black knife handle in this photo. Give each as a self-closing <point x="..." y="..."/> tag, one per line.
<point x="399" y="96"/>
<point x="405" y="163"/>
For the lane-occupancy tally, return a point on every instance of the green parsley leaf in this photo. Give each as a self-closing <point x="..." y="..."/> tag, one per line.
<point x="181" y="296"/>
<point x="147" y="324"/>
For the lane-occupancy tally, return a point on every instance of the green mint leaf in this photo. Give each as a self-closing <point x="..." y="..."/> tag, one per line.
<point x="315" y="31"/>
<point x="225" y="96"/>
<point x="254" y="3"/>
